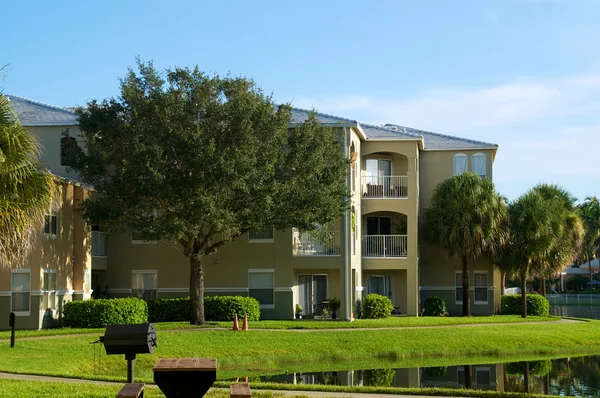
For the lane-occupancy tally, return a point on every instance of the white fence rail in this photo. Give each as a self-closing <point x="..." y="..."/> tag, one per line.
<point x="385" y="186"/>
<point x="384" y="246"/>
<point x="98" y="244"/>
<point x="306" y="244"/>
<point x="573" y="299"/>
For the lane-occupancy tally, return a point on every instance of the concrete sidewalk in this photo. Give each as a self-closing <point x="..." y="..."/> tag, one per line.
<point x="16" y="376"/>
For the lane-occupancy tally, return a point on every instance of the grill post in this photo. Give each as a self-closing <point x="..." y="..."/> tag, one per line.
<point x="11" y="321"/>
<point x="130" y="367"/>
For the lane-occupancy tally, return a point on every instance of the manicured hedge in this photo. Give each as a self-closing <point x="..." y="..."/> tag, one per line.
<point x="376" y="306"/>
<point x="216" y="308"/>
<point x="103" y="312"/>
<point x="537" y="305"/>
<point x="434" y="306"/>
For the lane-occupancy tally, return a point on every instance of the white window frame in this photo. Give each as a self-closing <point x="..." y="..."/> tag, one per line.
<point x="50" y="305"/>
<point x="140" y="241"/>
<point x="479" y="155"/>
<point x="53" y="217"/>
<point x="460" y="155"/>
<point x="456" y="287"/>
<point x="144" y="272"/>
<point x="20" y="271"/>
<point x="261" y="240"/>
<point x="480" y="287"/>
<point x="263" y="271"/>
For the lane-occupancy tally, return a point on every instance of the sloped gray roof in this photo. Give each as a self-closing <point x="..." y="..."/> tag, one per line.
<point x="380" y="132"/>
<point x="300" y="116"/>
<point x="33" y="113"/>
<point x="437" y="141"/>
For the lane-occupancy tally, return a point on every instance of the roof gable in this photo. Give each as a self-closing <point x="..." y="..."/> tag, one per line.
<point x="33" y="113"/>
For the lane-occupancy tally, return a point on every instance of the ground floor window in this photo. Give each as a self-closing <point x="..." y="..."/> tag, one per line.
<point x="21" y="290"/>
<point x="49" y="290"/>
<point x="458" y="287"/>
<point x="380" y="284"/>
<point x="144" y="284"/>
<point x="261" y="286"/>
<point x="480" y="283"/>
<point x="312" y="292"/>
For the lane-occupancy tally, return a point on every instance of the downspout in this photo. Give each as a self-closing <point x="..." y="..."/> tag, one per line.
<point x="346" y="240"/>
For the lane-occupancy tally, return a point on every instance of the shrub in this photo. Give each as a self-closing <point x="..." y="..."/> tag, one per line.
<point x="169" y="309"/>
<point x="434" y="306"/>
<point x="376" y="306"/>
<point x="537" y="305"/>
<point x="103" y="312"/>
<point x="334" y="304"/>
<point x="378" y="377"/>
<point x="536" y="368"/>
<point x="216" y="308"/>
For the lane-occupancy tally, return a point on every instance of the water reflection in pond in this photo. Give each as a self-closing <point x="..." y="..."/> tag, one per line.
<point x="578" y="377"/>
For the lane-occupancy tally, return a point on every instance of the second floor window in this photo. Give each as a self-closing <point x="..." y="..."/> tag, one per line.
<point x="460" y="163"/>
<point x="65" y="143"/>
<point x="478" y="164"/>
<point x="50" y="225"/>
<point x="266" y="235"/>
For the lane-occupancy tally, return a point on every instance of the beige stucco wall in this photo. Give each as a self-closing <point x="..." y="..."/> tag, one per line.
<point x="49" y="138"/>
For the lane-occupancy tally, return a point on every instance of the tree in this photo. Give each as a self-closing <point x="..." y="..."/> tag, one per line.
<point x="26" y="190"/>
<point x="536" y="226"/>
<point x="589" y="211"/>
<point x="200" y="160"/>
<point x="466" y="219"/>
<point x="569" y="236"/>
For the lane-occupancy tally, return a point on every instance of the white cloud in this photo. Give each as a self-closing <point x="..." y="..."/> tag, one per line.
<point x="547" y="129"/>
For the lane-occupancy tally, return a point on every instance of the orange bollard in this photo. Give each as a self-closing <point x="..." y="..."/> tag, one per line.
<point x="236" y="325"/>
<point x="245" y="323"/>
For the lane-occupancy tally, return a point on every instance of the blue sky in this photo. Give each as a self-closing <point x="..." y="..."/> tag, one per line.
<point x="524" y="74"/>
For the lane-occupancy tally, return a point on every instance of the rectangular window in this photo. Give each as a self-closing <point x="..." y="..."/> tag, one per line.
<point x="137" y="239"/>
<point x="261" y="286"/>
<point x="144" y="283"/>
<point x="480" y="282"/>
<point x="478" y="165"/>
<point x="458" y="287"/>
<point x="460" y="163"/>
<point x="50" y="225"/>
<point x="267" y="235"/>
<point x="65" y="143"/>
<point x="49" y="302"/>
<point x="21" y="290"/>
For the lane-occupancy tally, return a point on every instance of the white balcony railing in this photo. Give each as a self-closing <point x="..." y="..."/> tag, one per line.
<point x="385" y="186"/>
<point x="384" y="246"/>
<point x="306" y="244"/>
<point x="98" y="247"/>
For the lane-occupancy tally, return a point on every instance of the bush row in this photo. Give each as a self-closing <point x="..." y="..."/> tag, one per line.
<point x="216" y="308"/>
<point x="537" y="305"/>
<point x="103" y="312"/>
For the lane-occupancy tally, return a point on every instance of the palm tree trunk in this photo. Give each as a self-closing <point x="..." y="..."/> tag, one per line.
<point x="197" y="290"/>
<point x="543" y="282"/>
<point x="502" y="282"/>
<point x="468" y="377"/>
<point x="465" y="284"/>
<point x="523" y="293"/>
<point x="526" y="376"/>
<point x="590" y="268"/>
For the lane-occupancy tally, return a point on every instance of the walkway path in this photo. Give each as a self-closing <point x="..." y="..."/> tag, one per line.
<point x="282" y="392"/>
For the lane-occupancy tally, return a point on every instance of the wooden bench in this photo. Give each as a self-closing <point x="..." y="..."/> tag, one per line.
<point x="131" y="390"/>
<point x="180" y="377"/>
<point x="240" y="390"/>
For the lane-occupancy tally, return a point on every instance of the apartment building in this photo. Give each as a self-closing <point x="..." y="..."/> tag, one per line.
<point x="374" y="248"/>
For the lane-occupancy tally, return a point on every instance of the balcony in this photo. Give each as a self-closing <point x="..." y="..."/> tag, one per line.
<point x="306" y="244"/>
<point x="98" y="244"/>
<point x="384" y="246"/>
<point x="384" y="187"/>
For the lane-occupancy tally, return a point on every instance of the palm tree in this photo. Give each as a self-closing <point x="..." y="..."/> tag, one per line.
<point x="26" y="191"/>
<point x="466" y="219"/>
<point x="569" y="234"/>
<point x="590" y="214"/>
<point x="536" y="226"/>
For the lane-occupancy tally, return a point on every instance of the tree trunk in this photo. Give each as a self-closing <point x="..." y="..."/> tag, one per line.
<point x="543" y="287"/>
<point x="526" y="376"/>
<point x="590" y="268"/>
<point x="468" y="377"/>
<point x="196" y="290"/>
<point x="523" y="294"/>
<point x="502" y="282"/>
<point x="465" y="284"/>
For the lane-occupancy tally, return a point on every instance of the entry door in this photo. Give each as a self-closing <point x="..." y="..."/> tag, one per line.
<point x="312" y="291"/>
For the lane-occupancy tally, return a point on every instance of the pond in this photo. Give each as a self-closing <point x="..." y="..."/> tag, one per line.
<point x="578" y="377"/>
<point x="577" y="311"/>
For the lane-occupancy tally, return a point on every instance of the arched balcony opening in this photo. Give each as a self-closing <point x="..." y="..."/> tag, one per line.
<point x="384" y="176"/>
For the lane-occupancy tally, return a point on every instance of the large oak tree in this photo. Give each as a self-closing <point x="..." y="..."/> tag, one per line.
<point x="200" y="160"/>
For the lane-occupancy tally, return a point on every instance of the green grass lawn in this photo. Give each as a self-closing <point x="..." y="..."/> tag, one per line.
<point x="262" y="352"/>
<point x="391" y="322"/>
<point x="28" y="389"/>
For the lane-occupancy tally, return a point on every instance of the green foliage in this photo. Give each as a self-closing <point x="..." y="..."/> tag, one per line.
<point x="376" y="306"/>
<point x="434" y="306"/>
<point x="299" y="309"/>
<point x="217" y="308"/>
<point x="103" y="312"/>
<point x="577" y="282"/>
<point x="436" y="371"/>
<point x="334" y="304"/>
<point x="537" y="305"/>
<point x="378" y="377"/>
<point x="26" y="188"/>
<point x="213" y="157"/>
<point x="536" y="368"/>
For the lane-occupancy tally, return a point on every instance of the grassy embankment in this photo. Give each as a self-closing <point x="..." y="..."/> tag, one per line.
<point x="267" y="352"/>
